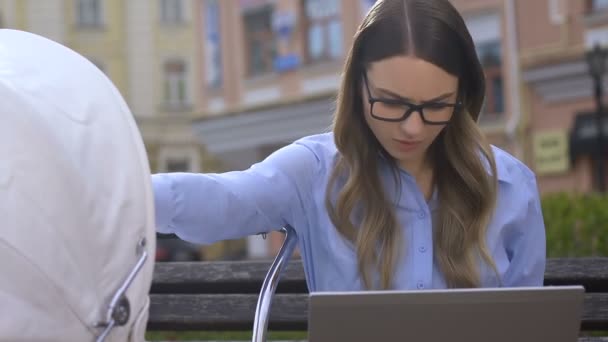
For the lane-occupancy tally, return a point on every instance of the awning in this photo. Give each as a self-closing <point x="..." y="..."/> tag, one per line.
<point x="584" y="135"/>
<point x="565" y="81"/>
<point x="271" y="126"/>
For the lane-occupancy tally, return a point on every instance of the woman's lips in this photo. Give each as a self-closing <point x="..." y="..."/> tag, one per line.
<point x="407" y="145"/>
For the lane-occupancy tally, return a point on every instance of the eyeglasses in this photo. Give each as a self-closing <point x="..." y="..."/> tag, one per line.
<point x="394" y="110"/>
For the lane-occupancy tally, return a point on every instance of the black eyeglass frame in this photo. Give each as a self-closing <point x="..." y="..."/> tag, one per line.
<point x="412" y="107"/>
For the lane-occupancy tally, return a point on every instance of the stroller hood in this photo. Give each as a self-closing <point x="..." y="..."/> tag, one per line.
<point x="76" y="205"/>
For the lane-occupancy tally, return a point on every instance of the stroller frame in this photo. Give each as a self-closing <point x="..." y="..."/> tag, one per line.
<point x="271" y="281"/>
<point x="118" y="310"/>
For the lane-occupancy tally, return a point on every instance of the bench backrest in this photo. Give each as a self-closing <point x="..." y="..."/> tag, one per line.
<point x="223" y="295"/>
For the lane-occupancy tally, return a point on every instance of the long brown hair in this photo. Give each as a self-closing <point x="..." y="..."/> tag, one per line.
<point x="434" y="31"/>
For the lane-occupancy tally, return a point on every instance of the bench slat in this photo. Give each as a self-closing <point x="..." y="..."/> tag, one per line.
<point x="288" y="312"/>
<point x="581" y="339"/>
<point x="589" y="272"/>
<point x="247" y="276"/>
<point x="224" y="277"/>
<point x="595" y="312"/>
<point x="224" y="312"/>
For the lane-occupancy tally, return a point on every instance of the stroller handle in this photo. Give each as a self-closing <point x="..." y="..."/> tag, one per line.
<point x="269" y="286"/>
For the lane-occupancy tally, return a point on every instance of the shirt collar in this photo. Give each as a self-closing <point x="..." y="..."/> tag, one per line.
<point x="406" y="195"/>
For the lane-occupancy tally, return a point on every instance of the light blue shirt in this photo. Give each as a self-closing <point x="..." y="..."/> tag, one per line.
<point x="289" y="188"/>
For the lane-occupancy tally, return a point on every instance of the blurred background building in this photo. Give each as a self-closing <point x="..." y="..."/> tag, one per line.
<point x="217" y="85"/>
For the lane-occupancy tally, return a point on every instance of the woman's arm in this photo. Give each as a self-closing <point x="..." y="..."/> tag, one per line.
<point x="205" y="208"/>
<point x="526" y="240"/>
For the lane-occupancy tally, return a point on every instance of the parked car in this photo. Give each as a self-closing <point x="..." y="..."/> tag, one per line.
<point x="170" y="248"/>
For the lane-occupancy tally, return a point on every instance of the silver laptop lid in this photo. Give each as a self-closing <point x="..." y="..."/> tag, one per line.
<point x="472" y="315"/>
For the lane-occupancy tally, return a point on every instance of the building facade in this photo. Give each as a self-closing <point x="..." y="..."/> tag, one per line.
<point x="218" y="85"/>
<point x="273" y="69"/>
<point x="557" y="90"/>
<point x="147" y="48"/>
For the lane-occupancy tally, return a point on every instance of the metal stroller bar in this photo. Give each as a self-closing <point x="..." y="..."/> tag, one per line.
<point x="262" y="311"/>
<point x="119" y="309"/>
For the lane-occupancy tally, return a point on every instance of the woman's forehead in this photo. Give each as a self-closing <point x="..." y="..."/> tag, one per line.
<point x="411" y="77"/>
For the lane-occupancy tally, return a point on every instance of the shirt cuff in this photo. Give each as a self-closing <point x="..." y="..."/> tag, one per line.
<point x="164" y="205"/>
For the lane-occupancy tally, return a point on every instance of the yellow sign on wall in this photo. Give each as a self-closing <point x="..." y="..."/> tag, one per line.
<point x="551" y="153"/>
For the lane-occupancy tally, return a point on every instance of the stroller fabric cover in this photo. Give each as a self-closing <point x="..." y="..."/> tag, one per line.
<point x="77" y="234"/>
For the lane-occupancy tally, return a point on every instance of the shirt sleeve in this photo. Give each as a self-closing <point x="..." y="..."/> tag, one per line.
<point x="526" y="241"/>
<point x="205" y="208"/>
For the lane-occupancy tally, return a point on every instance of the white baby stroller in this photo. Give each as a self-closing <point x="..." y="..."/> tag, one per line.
<point x="77" y="234"/>
<point x="77" y="238"/>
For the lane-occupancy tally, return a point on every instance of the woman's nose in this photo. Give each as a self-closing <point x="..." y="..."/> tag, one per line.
<point x="413" y="125"/>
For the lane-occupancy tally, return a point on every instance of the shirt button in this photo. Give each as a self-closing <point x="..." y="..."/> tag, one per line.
<point x="420" y="285"/>
<point x="421" y="215"/>
<point x="422" y="249"/>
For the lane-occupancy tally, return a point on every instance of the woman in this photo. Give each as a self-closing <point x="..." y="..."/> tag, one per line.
<point x="404" y="193"/>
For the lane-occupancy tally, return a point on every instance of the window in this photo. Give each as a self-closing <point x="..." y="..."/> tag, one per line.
<point x="171" y="11"/>
<point x="175" y="83"/>
<point x="179" y="159"/>
<point x="213" y="53"/>
<point x="259" y="39"/>
<point x="178" y="165"/>
<point x="88" y="12"/>
<point x="490" y="55"/>
<point x="486" y="33"/>
<point x="598" y="5"/>
<point x="323" y="29"/>
<point x="557" y="11"/>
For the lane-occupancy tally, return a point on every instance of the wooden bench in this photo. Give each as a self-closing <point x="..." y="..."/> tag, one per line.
<point x="223" y="295"/>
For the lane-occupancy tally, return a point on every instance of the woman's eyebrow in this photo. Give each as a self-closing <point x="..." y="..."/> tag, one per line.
<point x="389" y="93"/>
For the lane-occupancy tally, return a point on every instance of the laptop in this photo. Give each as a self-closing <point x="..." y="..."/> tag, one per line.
<point x="523" y="314"/>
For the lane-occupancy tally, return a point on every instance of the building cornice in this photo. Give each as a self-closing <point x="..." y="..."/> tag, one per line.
<point x="269" y="126"/>
<point x="566" y="81"/>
